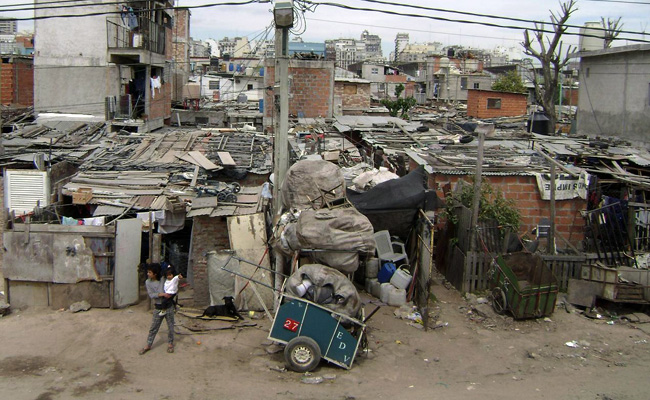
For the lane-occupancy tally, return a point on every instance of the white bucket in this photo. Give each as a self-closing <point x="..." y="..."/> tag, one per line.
<point x="372" y="267"/>
<point x="384" y="289"/>
<point x="401" y="278"/>
<point x="396" y="297"/>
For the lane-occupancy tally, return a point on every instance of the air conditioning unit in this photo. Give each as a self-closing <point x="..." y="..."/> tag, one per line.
<point x="25" y="190"/>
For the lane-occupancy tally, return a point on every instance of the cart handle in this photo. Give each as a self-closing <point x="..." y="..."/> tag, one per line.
<point x="371" y="314"/>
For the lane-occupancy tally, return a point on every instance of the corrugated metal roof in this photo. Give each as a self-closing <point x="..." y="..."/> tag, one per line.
<point x="103" y="209"/>
<point x="199" y="211"/>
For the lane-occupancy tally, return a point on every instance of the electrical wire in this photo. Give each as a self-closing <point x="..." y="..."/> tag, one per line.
<point x="490" y="16"/>
<point x="93" y="14"/>
<point x="489" y="24"/>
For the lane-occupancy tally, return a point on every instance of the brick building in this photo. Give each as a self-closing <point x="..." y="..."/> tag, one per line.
<point x="311" y="89"/>
<point x="522" y="188"/>
<point x="17" y="81"/>
<point x="351" y="96"/>
<point x="491" y="104"/>
<point x="180" y="52"/>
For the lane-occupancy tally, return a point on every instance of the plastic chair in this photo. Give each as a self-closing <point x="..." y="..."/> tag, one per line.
<point x="387" y="250"/>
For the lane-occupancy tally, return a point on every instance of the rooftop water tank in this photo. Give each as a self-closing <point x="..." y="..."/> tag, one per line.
<point x="592" y="37"/>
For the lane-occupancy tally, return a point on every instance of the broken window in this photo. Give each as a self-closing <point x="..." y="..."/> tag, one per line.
<point x="493" y="103"/>
<point x="476" y="85"/>
<point x="250" y="86"/>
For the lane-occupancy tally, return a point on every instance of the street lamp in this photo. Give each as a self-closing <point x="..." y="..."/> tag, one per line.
<point x="283" y="14"/>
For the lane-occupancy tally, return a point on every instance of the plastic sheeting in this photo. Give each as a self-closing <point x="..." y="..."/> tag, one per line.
<point x="406" y="192"/>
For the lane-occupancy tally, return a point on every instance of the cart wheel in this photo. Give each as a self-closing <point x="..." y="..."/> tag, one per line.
<point x="235" y="187"/>
<point x="302" y="354"/>
<point x="499" y="301"/>
<point x="231" y="198"/>
<point x="222" y="196"/>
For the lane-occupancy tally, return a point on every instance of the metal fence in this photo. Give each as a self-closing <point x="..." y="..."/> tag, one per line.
<point x="149" y="36"/>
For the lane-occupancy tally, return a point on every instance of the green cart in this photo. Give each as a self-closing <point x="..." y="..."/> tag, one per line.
<point x="523" y="285"/>
<point x="311" y="332"/>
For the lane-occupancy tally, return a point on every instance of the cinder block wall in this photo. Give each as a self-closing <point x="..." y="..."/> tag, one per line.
<point x="208" y="234"/>
<point x="512" y="104"/>
<point x="523" y="190"/>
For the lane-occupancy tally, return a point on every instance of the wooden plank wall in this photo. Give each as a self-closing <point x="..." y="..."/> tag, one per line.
<point x="469" y="272"/>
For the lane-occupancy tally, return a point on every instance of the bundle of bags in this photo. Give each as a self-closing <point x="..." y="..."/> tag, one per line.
<point x="344" y="231"/>
<point x="325" y="286"/>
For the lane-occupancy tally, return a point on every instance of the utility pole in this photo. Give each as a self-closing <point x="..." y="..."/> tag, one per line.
<point x="283" y="16"/>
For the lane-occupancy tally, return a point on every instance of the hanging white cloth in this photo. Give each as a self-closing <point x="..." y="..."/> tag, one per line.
<point x="155" y="84"/>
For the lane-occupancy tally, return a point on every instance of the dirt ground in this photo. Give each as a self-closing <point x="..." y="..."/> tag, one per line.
<point x="472" y="353"/>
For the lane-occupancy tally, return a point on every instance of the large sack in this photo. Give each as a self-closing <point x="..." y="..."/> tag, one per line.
<point x="341" y="229"/>
<point x="309" y="183"/>
<point x="329" y="288"/>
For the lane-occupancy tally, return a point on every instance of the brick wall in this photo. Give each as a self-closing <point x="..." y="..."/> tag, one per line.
<point x="207" y="234"/>
<point x="17" y="82"/>
<point x="570" y="97"/>
<point x="311" y="92"/>
<point x="358" y="101"/>
<point x="523" y="190"/>
<point x="512" y="104"/>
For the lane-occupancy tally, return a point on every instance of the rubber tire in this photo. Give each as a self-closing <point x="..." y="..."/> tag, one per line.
<point x="302" y="354"/>
<point x="499" y="301"/>
<point x="235" y="187"/>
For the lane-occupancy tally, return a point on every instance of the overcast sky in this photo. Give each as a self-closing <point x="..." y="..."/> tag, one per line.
<point x="327" y="22"/>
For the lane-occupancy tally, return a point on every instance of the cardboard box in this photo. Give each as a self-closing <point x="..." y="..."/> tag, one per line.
<point x="82" y="196"/>
<point x="599" y="273"/>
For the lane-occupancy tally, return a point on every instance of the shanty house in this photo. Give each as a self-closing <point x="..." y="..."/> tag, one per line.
<point x="492" y="104"/>
<point x="351" y="96"/>
<point x="614" y="93"/>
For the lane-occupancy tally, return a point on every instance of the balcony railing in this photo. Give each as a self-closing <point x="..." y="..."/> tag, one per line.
<point x="148" y="36"/>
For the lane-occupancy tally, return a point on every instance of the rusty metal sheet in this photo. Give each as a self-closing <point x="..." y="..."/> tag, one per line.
<point x="224" y="211"/>
<point x="203" y="202"/>
<point x="200" y="211"/>
<point x="203" y="160"/>
<point x="144" y="201"/>
<point x="225" y="158"/>
<point x="248" y="198"/>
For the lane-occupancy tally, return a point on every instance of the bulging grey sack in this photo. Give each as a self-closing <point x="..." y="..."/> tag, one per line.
<point x="309" y="183"/>
<point x="325" y="286"/>
<point x="345" y="231"/>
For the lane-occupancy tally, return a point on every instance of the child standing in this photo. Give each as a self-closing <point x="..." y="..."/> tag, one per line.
<point x="171" y="288"/>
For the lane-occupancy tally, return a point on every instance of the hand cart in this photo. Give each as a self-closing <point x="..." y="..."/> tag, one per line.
<point x="523" y="285"/>
<point x="311" y="332"/>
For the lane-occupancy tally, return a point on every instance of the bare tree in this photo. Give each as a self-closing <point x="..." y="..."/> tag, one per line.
<point x="551" y="58"/>
<point x="612" y="28"/>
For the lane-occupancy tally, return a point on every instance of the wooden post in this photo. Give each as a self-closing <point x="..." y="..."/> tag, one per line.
<point x="477" y="191"/>
<point x="551" y="232"/>
<point x="151" y="213"/>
